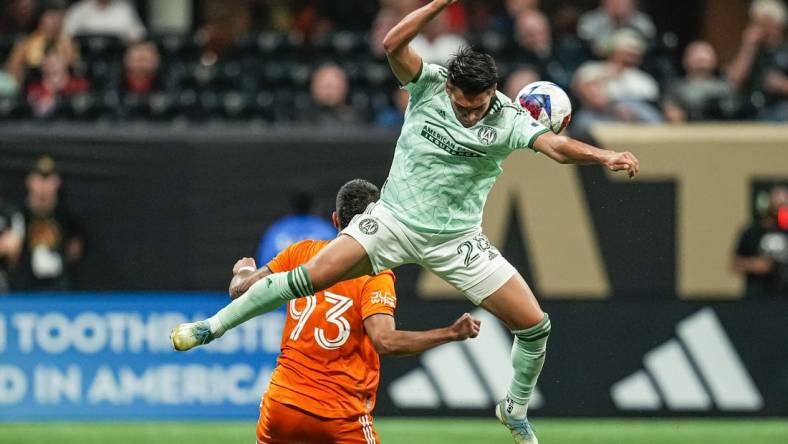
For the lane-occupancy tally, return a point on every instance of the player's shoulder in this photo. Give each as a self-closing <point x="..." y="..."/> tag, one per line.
<point x="504" y="111"/>
<point x="385" y="278"/>
<point x="434" y="71"/>
<point x="307" y="247"/>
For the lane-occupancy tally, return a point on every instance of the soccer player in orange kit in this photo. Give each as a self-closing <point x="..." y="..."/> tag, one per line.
<point x="323" y="388"/>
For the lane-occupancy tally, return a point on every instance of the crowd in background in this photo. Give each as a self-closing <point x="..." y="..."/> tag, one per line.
<point x="322" y="62"/>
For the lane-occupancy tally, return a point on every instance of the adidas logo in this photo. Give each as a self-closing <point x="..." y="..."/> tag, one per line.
<point x="690" y="372"/>
<point x="481" y="366"/>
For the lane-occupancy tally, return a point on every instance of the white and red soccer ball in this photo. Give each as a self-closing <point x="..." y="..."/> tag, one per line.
<point x="547" y="103"/>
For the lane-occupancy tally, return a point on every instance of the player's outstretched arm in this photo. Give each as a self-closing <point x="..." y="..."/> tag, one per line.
<point x="566" y="150"/>
<point x="245" y="273"/>
<point x="390" y="341"/>
<point x="404" y="61"/>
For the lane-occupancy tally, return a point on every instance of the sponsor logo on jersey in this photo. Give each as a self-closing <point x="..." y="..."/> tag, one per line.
<point x="386" y="299"/>
<point x="368" y="226"/>
<point x="441" y="138"/>
<point x="487" y="135"/>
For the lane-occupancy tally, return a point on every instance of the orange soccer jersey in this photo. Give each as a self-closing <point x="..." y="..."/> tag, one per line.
<point x="328" y="365"/>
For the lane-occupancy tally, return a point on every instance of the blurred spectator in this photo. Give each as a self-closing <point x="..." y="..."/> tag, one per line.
<point x="385" y="20"/>
<point x="535" y="47"/>
<point x="53" y="242"/>
<point x="18" y="17"/>
<point x="512" y="10"/>
<point x="760" y="68"/>
<point x="702" y="92"/>
<point x="12" y="233"/>
<point x="394" y="116"/>
<point x="141" y="69"/>
<point x="104" y="17"/>
<point x="329" y="90"/>
<point x="401" y="7"/>
<point x="225" y="23"/>
<point x="616" y="89"/>
<point x="437" y="43"/>
<point x="762" y="251"/>
<point x="56" y="83"/>
<point x="518" y="80"/>
<point x="296" y="227"/>
<point x="598" y="26"/>
<point x="28" y="53"/>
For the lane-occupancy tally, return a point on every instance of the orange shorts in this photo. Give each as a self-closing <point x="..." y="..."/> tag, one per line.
<point x="284" y="424"/>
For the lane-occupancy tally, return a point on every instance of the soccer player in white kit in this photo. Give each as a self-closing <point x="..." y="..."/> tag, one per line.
<point x="458" y="130"/>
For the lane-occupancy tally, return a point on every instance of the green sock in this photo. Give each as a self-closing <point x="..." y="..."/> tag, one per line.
<point x="528" y="354"/>
<point x="264" y="296"/>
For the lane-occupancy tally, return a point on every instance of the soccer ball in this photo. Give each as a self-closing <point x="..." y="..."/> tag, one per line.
<point x="547" y="103"/>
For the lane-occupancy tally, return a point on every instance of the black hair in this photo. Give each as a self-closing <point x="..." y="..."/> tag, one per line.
<point x="472" y="71"/>
<point x="353" y="198"/>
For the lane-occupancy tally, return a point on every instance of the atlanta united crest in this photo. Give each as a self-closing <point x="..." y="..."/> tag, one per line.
<point x="487" y="135"/>
<point x="368" y="226"/>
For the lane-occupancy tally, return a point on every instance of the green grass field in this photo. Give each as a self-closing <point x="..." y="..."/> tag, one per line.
<point x="416" y="431"/>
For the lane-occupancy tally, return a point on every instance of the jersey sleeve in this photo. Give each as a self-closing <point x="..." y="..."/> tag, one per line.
<point x="430" y="79"/>
<point x="525" y="130"/>
<point x="285" y="260"/>
<point x="378" y="295"/>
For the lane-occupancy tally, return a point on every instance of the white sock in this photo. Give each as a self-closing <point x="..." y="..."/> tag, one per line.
<point x="215" y="326"/>
<point x="515" y="409"/>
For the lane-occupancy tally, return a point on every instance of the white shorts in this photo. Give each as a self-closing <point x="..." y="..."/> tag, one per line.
<point x="465" y="260"/>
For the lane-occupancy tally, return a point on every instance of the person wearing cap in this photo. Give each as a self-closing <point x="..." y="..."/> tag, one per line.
<point x="760" y="68"/>
<point x="53" y="242"/>
<point x="616" y="89"/>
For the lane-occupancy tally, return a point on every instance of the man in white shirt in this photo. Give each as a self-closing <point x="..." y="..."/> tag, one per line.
<point x="107" y="17"/>
<point x="616" y="89"/>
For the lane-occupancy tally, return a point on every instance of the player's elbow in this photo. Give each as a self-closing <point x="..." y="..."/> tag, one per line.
<point x="384" y="345"/>
<point x="388" y="46"/>
<point x="391" y="43"/>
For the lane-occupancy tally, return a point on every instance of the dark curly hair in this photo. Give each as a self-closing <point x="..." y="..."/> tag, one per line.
<point x="353" y="198"/>
<point x="472" y="71"/>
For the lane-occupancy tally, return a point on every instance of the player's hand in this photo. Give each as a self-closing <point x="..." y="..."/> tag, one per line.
<point x="466" y="327"/>
<point x="243" y="262"/>
<point x="625" y="161"/>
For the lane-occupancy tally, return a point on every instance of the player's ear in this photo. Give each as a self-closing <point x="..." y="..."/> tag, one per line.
<point x="335" y="220"/>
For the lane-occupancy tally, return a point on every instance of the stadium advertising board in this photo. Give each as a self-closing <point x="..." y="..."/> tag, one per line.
<point x="92" y="356"/>
<point x="105" y="355"/>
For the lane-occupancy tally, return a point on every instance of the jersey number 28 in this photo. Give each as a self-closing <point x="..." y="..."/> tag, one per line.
<point x="340" y="303"/>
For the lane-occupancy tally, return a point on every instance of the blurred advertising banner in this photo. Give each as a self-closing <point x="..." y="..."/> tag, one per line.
<point x="107" y="355"/>
<point x="92" y="356"/>
<point x="608" y="358"/>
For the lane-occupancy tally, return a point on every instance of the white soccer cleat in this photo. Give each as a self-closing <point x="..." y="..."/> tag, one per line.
<point x="187" y="336"/>
<point x="520" y="429"/>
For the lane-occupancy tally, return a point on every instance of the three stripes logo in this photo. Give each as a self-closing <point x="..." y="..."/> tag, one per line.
<point x="481" y="366"/>
<point x="694" y="372"/>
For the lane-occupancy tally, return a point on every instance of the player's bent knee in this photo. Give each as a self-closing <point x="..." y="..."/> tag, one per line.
<point x="538" y="332"/>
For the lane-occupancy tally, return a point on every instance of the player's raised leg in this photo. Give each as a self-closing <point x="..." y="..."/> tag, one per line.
<point x="514" y="304"/>
<point x="344" y="258"/>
